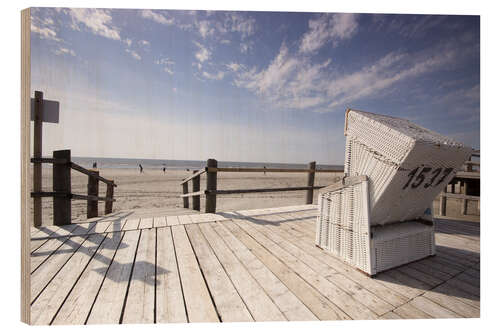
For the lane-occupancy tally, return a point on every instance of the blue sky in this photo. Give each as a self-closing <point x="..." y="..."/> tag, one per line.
<point x="247" y="86"/>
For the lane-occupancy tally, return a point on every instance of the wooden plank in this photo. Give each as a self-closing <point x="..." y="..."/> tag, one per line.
<point x="44" y="231"/>
<point x="433" y="309"/>
<point x="117" y="225"/>
<point x="323" y="308"/>
<point x="146" y="223"/>
<point x="184" y="219"/>
<point x="356" y="291"/>
<point x="421" y="276"/>
<point x="228" y="301"/>
<point x="402" y="283"/>
<point x="258" y="302"/>
<point x="471" y="289"/>
<point x="44" y="252"/>
<point x="131" y="224"/>
<point x="140" y="304"/>
<point x="159" y="221"/>
<point x="170" y="306"/>
<point x="307" y="244"/>
<point x="408" y="311"/>
<point x="78" y="304"/>
<point x="47" y="304"/>
<point x="452" y="303"/>
<point x="448" y="289"/>
<point x="211" y="185"/>
<point x="291" y="306"/>
<point x="101" y="227"/>
<point x="336" y="295"/>
<point x="199" y="305"/>
<point x="45" y="272"/>
<point x="172" y="220"/>
<point x="109" y="302"/>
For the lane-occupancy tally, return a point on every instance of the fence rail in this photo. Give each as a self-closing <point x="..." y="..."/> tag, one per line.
<point x="211" y="190"/>
<point x="61" y="183"/>
<point x="464" y="179"/>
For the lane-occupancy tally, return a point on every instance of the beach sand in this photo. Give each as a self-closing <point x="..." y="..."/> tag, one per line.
<point x="154" y="189"/>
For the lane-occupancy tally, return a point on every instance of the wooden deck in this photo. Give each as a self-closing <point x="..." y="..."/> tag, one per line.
<point x="255" y="265"/>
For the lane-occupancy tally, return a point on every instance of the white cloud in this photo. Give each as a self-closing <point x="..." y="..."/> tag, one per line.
<point x="235" y="67"/>
<point x="216" y="76"/>
<point x="63" y="50"/>
<point x="205" y="29"/>
<point x="97" y="20"/>
<point x="328" y="28"/>
<point x="203" y="54"/>
<point x="157" y="17"/>
<point x="144" y="43"/>
<point x="128" y="41"/>
<point x="294" y="81"/>
<point x="245" y="47"/>
<point x="134" y="54"/>
<point x="167" y="65"/>
<point x="225" y="41"/>
<point x="45" y="32"/>
<point x="241" y="24"/>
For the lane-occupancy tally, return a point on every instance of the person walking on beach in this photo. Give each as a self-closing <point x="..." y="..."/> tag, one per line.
<point x="163" y="169"/>
<point x="140" y="168"/>
<point x="264" y="170"/>
<point x="94" y="165"/>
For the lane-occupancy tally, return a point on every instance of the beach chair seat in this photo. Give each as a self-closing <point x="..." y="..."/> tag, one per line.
<point x="373" y="218"/>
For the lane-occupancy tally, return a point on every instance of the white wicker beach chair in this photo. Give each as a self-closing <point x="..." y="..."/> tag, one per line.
<point x="372" y="218"/>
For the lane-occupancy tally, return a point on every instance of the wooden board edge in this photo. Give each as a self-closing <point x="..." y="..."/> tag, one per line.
<point x="25" y="164"/>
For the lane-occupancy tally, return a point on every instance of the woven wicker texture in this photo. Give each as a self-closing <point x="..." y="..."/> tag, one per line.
<point x="407" y="165"/>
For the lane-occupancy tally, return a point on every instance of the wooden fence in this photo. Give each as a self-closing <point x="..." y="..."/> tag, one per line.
<point x="61" y="194"/>
<point x="211" y="190"/>
<point x="464" y="178"/>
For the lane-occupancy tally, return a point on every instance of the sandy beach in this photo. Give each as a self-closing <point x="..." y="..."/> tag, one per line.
<point x="154" y="189"/>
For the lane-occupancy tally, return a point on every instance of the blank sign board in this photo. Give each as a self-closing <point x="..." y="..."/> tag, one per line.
<point x="50" y="112"/>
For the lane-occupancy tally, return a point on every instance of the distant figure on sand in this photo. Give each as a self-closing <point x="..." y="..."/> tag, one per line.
<point x="140" y="168"/>
<point x="94" y="165"/>
<point x="163" y="169"/>
<point x="264" y="170"/>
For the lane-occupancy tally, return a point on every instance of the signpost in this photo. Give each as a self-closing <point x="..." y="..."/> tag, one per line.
<point x="41" y="111"/>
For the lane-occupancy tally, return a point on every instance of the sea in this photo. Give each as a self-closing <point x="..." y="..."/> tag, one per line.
<point x="133" y="163"/>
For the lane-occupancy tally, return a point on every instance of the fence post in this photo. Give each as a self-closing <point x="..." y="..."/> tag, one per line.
<point x="310" y="183"/>
<point x="37" y="153"/>
<point x="442" y="202"/>
<point x="93" y="189"/>
<point x="464" y="201"/>
<point x="61" y="183"/>
<point x="108" y="206"/>
<point x="196" y="188"/>
<point x="211" y="199"/>
<point x="185" y="200"/>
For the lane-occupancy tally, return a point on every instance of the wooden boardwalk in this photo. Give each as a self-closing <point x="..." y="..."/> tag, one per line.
<point x="255" y="265"/>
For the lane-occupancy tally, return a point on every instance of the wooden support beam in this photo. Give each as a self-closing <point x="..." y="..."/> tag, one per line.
<point x="185" y="200"/>
<point x="108" y="206"/>
<point x="211" y="198"/>
<point x="310" y="183"/>
<point x="464" y="200"/>
<point x="61" y="182"/>
<point x="93" y="190"/>
<point x="442" y="203"/>
<point x="37" y="153"/>
<point x="196" y="188"/>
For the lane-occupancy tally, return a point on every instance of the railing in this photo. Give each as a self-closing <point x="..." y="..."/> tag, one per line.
<point x="470" y="173"/>
<point x="211" y="190"/>
<point x="61" y="194"/>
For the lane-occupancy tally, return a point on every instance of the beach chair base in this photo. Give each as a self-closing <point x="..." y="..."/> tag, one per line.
<point x="343" y="228"/>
